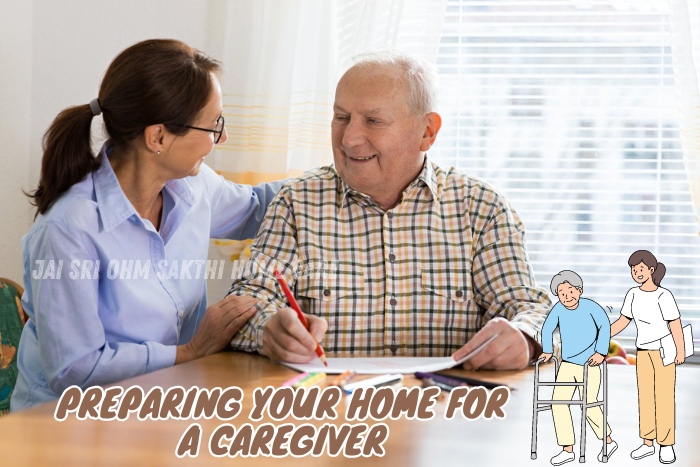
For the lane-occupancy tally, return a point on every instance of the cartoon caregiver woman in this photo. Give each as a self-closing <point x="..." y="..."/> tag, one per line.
<point x="655" y="313"/>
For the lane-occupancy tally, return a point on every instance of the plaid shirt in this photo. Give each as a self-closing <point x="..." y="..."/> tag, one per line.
<point x="417" y="280"/>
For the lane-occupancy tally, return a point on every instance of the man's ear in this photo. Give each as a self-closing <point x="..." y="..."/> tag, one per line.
<point x="580" y="290"/>
<point x="433" y="122"/>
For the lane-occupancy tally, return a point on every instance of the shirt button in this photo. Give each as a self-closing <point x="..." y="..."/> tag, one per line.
<point x="393" y="302"/>
<point x="390" y="215"/>
<point x="394" y="347"/>
<point x="392" y="257"/>
<point x="327" y="293"/>
<point x="459" y="294"/>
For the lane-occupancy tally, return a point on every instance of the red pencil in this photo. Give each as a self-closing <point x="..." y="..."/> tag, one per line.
<point x="293" y="303"/>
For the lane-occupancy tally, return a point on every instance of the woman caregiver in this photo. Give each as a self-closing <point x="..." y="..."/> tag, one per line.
<point x="113" y="265"/>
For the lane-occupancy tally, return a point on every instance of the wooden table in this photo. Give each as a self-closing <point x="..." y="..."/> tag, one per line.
<point x="34" y="437"/>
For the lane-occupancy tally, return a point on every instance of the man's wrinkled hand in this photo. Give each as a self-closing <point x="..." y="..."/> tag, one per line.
<point x="508" y="351"/>
<point x="285" y="338"/>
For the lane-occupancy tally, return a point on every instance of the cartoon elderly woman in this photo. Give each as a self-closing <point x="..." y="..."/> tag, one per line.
<point x="655" y="313"/>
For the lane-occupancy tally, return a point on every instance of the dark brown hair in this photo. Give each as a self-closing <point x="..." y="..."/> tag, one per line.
<point x="646" y="257"/>
<point x="158" y="81"/>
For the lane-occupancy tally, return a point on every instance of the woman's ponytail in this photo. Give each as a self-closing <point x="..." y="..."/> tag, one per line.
<point x="658" y="273"/>
<point x="68" y="156"/>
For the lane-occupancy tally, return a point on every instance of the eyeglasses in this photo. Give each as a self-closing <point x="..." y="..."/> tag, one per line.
<point x="218" y="128"/>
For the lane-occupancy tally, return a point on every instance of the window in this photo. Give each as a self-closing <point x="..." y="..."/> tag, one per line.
<point x="569" y="109"/>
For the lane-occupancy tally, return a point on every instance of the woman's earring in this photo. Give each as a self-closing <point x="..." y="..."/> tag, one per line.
<point x="158" y="153"/>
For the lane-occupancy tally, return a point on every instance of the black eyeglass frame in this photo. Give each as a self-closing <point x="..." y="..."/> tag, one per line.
<point x="218" y="133"/>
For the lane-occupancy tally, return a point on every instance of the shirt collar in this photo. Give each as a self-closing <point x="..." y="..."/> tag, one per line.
<point x="428" y="177"/>
<point x="114" y="206"/>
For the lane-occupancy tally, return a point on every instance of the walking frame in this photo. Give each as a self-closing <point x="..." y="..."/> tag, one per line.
<point x="539" y="405"/>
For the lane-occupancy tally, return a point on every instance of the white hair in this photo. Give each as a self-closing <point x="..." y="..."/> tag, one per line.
<point x="565" y="277"/>
<point x="420" y="75"/>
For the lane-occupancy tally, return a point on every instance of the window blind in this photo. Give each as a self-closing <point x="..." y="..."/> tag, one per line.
<point x="569" y="109"/>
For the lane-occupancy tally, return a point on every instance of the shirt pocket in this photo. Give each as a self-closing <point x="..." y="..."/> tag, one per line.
<point x="451" y="285"/>
<point x="448" y="306"/>
<point x="331" y="285"/>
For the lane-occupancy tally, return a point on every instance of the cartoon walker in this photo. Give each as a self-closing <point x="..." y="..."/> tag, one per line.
<point x="539" y="405"/>
<point x="585" y="337"/>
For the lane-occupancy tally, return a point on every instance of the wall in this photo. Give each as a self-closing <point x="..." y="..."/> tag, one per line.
<point x="15" y="131"/>
<point x="53" y="55"/>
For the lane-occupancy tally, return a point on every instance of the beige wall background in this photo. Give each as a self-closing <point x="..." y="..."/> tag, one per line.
<point x="53" y="55"/>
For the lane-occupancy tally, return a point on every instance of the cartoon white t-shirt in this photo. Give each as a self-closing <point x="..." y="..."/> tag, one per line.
<point x="651" y="312"/>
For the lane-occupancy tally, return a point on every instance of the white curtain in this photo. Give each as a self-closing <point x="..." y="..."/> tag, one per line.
<point x="279" y="60"/>
<point x="282" y="62"/>
<point x="687" y="96"/>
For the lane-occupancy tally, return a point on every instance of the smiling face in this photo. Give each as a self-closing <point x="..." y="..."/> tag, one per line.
<point x="186" y="153"/>
<point x="569" y="295"/>
<point x="641" y="273"/>
<point x="378" y="142"/>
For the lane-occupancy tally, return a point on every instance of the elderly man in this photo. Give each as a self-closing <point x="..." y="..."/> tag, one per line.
<point x="585" y="337"/>
<point x="388" y="253"/>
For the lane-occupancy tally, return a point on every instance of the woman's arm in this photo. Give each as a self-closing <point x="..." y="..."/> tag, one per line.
<point x="625" y="314"/>
<point x="677" y="333"/>
<point x="73" y="346"/>
<point x="238" y="210"/>
<point x="619" y="325"/>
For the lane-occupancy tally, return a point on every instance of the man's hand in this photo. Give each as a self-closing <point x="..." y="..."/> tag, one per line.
<point x="285" y="339"/>
<point x="220" y="322"/>
<point x="544" y="357"/>
<point x="509" y="351"/>
<point x="596" y="359"/>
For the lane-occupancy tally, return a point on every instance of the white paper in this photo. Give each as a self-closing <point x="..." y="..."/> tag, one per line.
<point x="668" y="346"/>
<point x="376" y="381"/>
<point x="381" y="365"/>
<point x="375" y="365"/>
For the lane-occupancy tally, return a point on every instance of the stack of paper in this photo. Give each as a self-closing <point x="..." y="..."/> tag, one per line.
<point x="668" y="346"/>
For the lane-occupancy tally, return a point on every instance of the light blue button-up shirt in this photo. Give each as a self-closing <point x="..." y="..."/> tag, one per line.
<point x="584" y="331"/>
<point x="94" y="317"/>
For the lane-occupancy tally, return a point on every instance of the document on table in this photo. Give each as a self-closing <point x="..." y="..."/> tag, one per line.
<point x="668" y="346"/>
<point x="381" y="365"/>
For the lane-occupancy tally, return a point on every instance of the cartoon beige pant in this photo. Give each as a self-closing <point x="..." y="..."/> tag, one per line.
<point x="656" y="384"/>
<point x="563" y="424"/>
